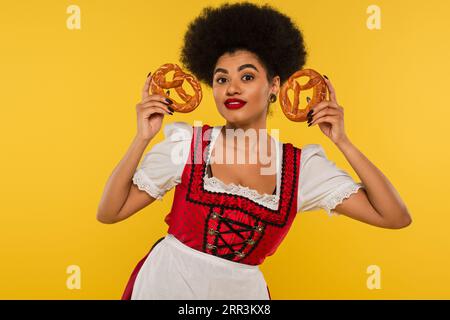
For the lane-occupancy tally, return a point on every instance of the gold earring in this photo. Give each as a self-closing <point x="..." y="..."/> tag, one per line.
<point x="273" y="98"/>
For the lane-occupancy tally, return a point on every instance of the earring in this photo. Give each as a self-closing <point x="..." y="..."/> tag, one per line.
<point x="273" y="98"/>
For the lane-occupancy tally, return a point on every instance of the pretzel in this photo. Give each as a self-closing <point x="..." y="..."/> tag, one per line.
<point x="158" y="85"/>
<point x="316" y="82"/>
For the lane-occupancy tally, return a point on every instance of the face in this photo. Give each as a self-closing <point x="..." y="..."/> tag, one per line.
<point x="239" y="75"/>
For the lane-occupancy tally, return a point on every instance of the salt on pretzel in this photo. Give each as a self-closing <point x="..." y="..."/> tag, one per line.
<point x="159" y="85"/>
<point x="316" y="82"/>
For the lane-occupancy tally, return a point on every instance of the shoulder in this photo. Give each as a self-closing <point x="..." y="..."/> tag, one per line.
<point x="314" y="157"/>
<point x="310" y="151"/>
<point x="178" y="131"/>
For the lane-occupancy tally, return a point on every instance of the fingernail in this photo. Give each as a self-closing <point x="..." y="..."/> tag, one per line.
<point x="310" y="113"/>
<point x="308" y="99"/>
<point x="309" y="120"/>
<point x="168" y="92"/>
<point x="309" y="124"/>
<point x="149" y="74"/>
<point x="171" y="110"/>
<point x="171" y="113"/>
<point x="169" y="101"/>
<point x="326" y="77"/>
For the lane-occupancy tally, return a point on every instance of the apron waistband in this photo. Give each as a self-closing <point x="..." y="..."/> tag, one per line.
<point x="173" y="241"/>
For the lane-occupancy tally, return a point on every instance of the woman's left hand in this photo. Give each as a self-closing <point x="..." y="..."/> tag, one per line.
<point x="329" y="115"/>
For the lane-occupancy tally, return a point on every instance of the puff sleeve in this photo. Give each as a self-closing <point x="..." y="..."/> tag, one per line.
<point x="321" y="183"/>
<point x="163" y="165"/>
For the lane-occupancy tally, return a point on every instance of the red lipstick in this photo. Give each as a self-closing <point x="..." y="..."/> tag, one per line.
<point x="234" y="103"/>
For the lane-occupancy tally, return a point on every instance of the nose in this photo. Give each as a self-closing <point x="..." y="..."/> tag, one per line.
<point x="233" y="88"/>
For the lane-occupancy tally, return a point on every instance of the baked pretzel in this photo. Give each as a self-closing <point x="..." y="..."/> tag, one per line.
<point x="159" y="85"/>
<point x="316" y="82"/>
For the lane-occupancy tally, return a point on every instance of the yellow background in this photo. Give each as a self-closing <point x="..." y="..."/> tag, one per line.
<point x="68" y="116"/>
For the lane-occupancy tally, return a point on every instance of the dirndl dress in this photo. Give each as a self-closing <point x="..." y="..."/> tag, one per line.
<point x="217" y="240"/>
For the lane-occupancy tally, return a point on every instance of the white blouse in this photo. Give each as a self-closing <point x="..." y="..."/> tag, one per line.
<point x="322" y="185"/>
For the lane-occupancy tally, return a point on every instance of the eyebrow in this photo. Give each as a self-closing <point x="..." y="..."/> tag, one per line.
<point x="247" y="65"/>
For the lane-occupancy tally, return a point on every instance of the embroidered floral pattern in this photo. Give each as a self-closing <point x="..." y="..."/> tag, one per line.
<point x="216" y="185"/>
<point x="229" y="238"/>
<point x="232" y="226"/>
<point x="277" y="217"/>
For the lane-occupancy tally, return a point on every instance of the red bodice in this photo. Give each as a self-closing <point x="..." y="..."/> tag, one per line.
<point x="230" y="226"/>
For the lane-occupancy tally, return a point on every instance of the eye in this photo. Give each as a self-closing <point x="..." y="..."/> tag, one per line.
<point x="245" y="75"/>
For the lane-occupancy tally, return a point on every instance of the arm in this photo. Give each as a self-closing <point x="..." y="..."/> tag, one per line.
<point x="119" y="187"/>
<point x="121" y="198"/>
<point x="380" y="204"/>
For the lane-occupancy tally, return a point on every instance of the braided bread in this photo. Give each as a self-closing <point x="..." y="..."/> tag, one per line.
<point x="159" y="85"/>
<point x="316" y="82"/>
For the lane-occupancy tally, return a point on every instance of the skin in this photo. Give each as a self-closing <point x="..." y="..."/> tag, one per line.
<point x="379" y="204"/>
<point x="251" y="86"/>
<point x="235" y="84"/>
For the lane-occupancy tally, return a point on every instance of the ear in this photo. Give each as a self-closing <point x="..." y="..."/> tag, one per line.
<point x="275" y="85"/>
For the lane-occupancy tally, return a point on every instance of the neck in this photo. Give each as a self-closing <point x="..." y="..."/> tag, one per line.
<point x="256" y="126"/>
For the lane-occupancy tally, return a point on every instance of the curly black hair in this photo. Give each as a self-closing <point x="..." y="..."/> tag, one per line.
<point x="272" y="36"/>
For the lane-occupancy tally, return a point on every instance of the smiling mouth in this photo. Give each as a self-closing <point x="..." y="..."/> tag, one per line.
<point x="235" y="105"/>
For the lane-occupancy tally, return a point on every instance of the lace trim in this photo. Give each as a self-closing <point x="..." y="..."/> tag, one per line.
<point x="215" y="185"/>
<point x="144" y="184"/>
<point x="340" y="195"/>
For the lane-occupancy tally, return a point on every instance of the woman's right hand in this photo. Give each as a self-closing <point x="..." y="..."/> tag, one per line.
<point x="150" y="112"/>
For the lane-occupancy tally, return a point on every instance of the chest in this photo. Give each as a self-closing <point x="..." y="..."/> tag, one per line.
<point x="245" y="175"/>
<point x="256" y="176"/>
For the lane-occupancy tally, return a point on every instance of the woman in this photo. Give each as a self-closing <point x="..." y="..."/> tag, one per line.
<point x="226" y="218"/>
